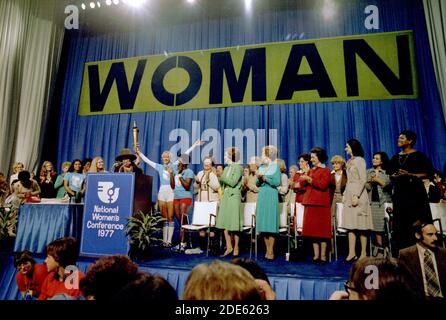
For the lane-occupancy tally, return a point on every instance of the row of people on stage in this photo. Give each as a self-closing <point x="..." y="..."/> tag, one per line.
<point x="404" y="178"/>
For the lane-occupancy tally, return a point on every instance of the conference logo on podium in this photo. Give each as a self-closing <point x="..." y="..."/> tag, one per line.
<point x="106" y="193"/>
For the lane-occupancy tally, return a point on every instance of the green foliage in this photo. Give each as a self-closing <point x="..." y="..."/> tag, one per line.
<point x="8" y="222"/>
<point x="141" y="230"/>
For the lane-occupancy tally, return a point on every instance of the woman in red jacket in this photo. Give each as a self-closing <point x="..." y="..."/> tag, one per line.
<point x="317" y="220"/>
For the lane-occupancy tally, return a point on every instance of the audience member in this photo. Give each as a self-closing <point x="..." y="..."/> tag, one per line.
<point x="426" y="261"/>
<point x="24" y="189"/>
<point x="16" y="168"/>
<point x="259" y="275"/>
<point x="63" y="277"/>
<point x="47" y="180"/>
<point x="146" y="288"/>
<point x="220" y="281"/>
<point x="58" y="185"/>
<point x="383" y="279"/>
<point x="30" y="276"/>
<point x="107" y="276"/>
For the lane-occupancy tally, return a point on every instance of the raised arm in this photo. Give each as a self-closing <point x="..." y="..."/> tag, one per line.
<point x="145" y="159"/>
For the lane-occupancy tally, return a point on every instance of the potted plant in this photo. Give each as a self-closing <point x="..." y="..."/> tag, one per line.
<point x="142" y="229"/>
<point x="8" y="222"/>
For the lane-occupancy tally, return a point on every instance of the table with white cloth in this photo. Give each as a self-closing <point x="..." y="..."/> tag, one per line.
<point x="41" y="223"/>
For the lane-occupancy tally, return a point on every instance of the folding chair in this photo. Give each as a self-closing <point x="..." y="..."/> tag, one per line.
<point x="388" y="208"/>
<point x="249" y="223"/>
<point x="285" y="223"/>
<point x="337" y="231"/>
<point x="438" y="211"/>
<point x="204" y="217"/>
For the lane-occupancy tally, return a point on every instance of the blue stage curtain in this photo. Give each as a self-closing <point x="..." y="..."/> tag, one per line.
<point x="300" y="126"/>
<point x="39" y="224"/>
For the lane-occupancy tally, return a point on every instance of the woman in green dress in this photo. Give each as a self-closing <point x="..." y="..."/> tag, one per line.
<point x="230" y="216"/>
<point x="267" y="208"/>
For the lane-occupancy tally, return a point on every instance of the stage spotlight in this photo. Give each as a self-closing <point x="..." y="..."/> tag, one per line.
<point x="108" y="2"/>
<point x="248" y="6"/>
<point x="92" y="5"/>
<point x="136" y="3"/>
<point x="98" y="4"/>
<point x="83" y="6"/>
<point x="191" y="1"/>
<point x="116" y="2"/>
<point x="329" y="9"/>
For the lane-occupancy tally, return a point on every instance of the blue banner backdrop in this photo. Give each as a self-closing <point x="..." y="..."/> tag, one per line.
<point x="299" y="126"/>
<point x="108" y="205"/>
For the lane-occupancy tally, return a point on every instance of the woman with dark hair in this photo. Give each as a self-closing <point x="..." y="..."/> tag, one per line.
<point x="377" y="185"/>
<point x="317" y="218"/>
<point x="30" y="276"/>
<point x="381" y="279"/>
<point x="182" y="184"/>
<point x="106" y="277"/>
<point x="61" y="257"/>
<point x="356" y="215"/>
<point x="407" y="170"/>
<point x="24" y="189"/>
<point x="230" y="217"/>
<point x="73" y="180"/>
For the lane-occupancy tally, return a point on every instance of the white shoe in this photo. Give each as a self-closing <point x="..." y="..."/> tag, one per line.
<point x="193" y="251"/>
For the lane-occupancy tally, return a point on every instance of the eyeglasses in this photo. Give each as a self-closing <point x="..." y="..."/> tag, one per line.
<point x="349" y="287"/>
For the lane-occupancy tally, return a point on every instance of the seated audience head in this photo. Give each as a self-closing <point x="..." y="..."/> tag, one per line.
<point x="47" y="167"/>
<point x="426" y="234"/>
<point x="107" y="276"/>
<point x="76" y="166"/>
<point x="17" y="167"/>
<point x="259" y="275"/>
<point x="407" y="138"/>
<point x="25" y="179"/>
<point x="97" y="165"/>
<point x="65" y="166"/>
<point x="61" y="253"/>
<point x="354" y="148"/>
<point x="86" y="164"/>
<point x="220" y="281"/>
<point x="24" y="262"/>
<point x="146" y="287"/>
<point x="380" y="279"/>
<point x="338" y="163"/>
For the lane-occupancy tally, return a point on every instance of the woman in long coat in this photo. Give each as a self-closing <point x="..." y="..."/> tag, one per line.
<point x="356" y="215"/>
<point x="317" y="219"/>
<point x="230" y="217"/>
<point x="267" y="208"/>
